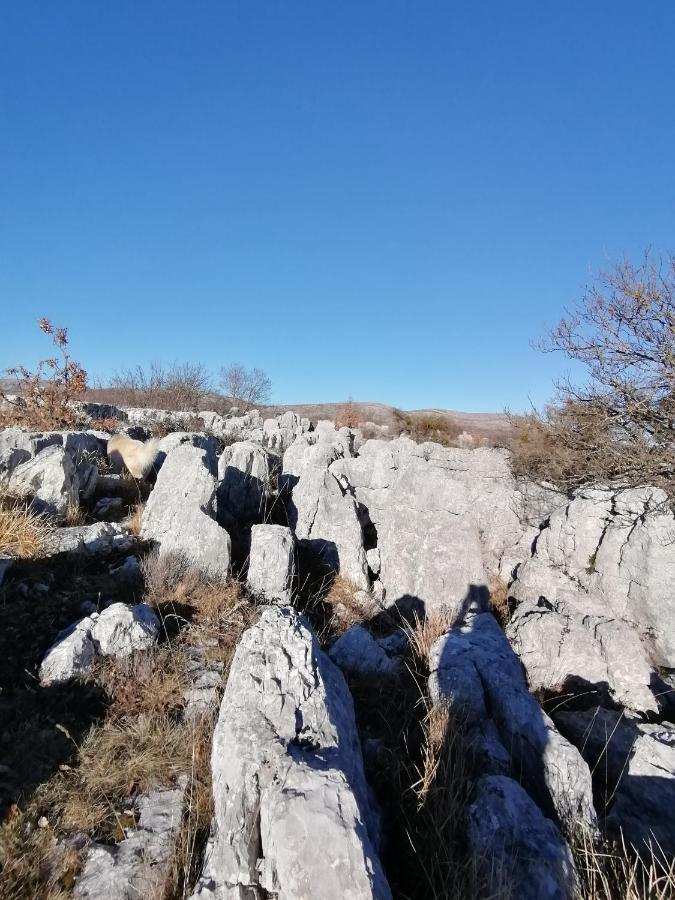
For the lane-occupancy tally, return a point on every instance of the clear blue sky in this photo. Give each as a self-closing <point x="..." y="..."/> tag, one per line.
<point x="379" y="199"/>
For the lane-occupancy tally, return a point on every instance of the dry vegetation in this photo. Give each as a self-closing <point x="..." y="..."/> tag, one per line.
<point x="23" y="532"/>
<point x="43" y="398"/>
<point x="619" y="426"/>
<point x="440" y="429"/>
<point x="140" y="741"/>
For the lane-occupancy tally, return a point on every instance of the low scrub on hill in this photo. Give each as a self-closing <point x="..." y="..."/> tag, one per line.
<point x="427" y="427"/>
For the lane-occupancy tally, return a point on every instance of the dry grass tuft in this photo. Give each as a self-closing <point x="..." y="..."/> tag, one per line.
<point x="609" y="871"/>
<point x="437" y="826"/>
<point x="424" y="632"/>
<point x="23" y="533"/>
<point x="74" y="515"/>
<point x="344" y="607"/>
<point x="171" y="582"/>
<point x="499" y="599"/>
<point x="136" y="518"/>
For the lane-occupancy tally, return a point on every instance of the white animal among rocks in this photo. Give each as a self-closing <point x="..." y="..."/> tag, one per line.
<point x="137" y="456"/>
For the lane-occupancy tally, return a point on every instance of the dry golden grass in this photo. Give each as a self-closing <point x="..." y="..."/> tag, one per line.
<point x="609" y="871"/>
<point x="117" y="760"/>
<point x="135" y="519"/>
<point x="344" y="606"/>
<point x="23" y="533"/>
<point x="499" y="599"/>
<point x="143" y="741"/>
<point x="423" y="633"/>
<point x="74" y="515"/>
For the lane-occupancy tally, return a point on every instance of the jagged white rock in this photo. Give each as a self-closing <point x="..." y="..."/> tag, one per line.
<point x="117" y="631"/>
<point x="292" y="816"/>
<point x="180" y="515"/>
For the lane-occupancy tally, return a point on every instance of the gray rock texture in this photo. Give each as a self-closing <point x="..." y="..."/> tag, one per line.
<point x="519" y="851"/>
<point x="140" y="865"/>
<point x="474" y="669"/>
<point x="292" y="817"/>
<point x="180" y="513"/>
<point x="117" y="631"/>
<point x="271" y="568"/>
<point x="323" y="515"/>
<point x="358" y="651"/>
<point x="50" y="478"/>
<point x="596" y="599"/>
<point x="99" y="539"/>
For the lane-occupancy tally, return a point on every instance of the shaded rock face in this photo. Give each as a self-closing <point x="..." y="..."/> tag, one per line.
<point x="475" y="671"/>
<point x="522" y="853"/>
<point x="245" y="475"/>
<point x="634" y="763"/>
<point x="180" y="513"/>
<point x="271" y="568"/>
<point x="596" y="600"/>
<point x="292" y="816"/>
<point x="358" y="651"/>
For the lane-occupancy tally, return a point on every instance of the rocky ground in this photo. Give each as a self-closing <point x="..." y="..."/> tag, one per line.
<point x="301" y="664"/>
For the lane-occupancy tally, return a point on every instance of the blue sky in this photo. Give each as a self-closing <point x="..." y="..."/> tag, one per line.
<point x="385" y="200"/>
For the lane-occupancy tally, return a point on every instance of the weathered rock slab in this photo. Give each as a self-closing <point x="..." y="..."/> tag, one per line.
<point x="292" y="817"/>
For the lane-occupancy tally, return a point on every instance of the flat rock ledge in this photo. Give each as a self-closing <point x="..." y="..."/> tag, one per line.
<point x="292" y="816"/>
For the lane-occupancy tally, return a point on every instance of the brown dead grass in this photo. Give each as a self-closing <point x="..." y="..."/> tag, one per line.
<point x="424" y="632"/>
<point x="499" y="600"/>
<point x="143" y="741"/>
<point x="615" y="871"/>
<point x="136" y="518"/>
<point x="344" y="607"/>
<point x="23" y="533"/>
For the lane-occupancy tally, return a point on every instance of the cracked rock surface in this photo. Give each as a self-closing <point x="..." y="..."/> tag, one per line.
<point x="291" y="801"/>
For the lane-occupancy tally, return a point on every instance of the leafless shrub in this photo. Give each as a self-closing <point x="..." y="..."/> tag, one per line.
<point x="180" y="387"/>
<point x="245" y="387"/>
<point x="42" y="398"/>
<point x="618" y="427"/>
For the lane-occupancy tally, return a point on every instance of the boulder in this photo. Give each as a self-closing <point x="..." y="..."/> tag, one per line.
<point x="473" y="668"/>
<point x="49" y="478"/>
<point x="180" y="513"/>
<point x="99" y="539"/>
<point x="518" y="851"/>
<point x="357" y="651"/>
<point x="324" y="517"/>
<point x="614" y="550"/>
<point x="429" y="543"/>
<point x="117" y="631"/>
<point x="570" y="644"/>
<point x="292" y="816"/>
<point x="271" y="568"/>
<point x="635" y="764"/>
